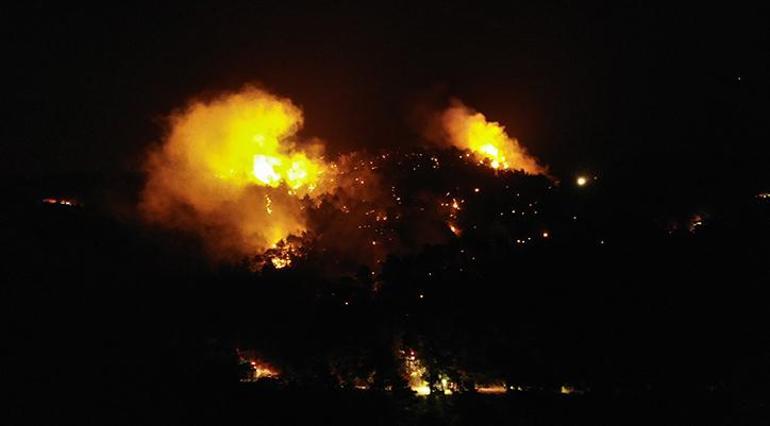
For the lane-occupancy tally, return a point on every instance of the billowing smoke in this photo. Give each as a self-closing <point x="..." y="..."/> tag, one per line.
<point x="232" y="170"/>
<point x="483" y="141"/>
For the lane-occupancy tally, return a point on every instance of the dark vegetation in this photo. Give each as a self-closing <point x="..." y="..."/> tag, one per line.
<point x="109" y="321"/>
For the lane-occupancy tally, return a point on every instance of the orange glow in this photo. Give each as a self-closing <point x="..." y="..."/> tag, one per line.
<point x="281" y="257"/>
<point x="232" y="170"/>
<point x="491" y="388"/>
<point x="490" y="144"/>
<point x="261" y="370"/>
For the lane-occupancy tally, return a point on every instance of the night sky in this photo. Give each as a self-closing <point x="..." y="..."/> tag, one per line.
<point x="658" y="96"/>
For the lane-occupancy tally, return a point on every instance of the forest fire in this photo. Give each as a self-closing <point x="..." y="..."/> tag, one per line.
<point x="223" y="158"/>
<point x="233" y="171"/>
<point x="470" y="131"/>
<point x="282" y="254"/>
<point x="412" y="214"/>
<point x="256" y="369"/>
<point x="415" y="372"/>
<point x="494" y="388"/>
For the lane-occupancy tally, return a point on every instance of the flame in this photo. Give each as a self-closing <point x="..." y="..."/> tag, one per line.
<point x="494" y="388"/>
<point x="283" y="254"/>
<point x="232" y="170"/>
<point x="415" y="373"/>
<point x="487" y="141"/>
<point x="258" y="369"/>
<point x="60" y="201"/>
<point x="454" y="208"/>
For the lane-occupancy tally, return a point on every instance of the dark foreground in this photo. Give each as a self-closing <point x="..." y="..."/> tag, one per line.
<point x="250" y="404"/>
<point x="108" y="323"/>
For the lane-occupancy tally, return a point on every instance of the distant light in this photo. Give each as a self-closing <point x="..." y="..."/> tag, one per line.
<point x="476" y="190"/>
<point x="545" y="234"/>
<point x="581" y="181"/>
<point x="61" y="202"/>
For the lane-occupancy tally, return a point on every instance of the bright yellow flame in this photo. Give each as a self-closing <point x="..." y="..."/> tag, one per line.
<point x="264" y="170"/>
<point x="488" y="141"/>
<point x="224" y="159"/>
<point x="245" y="138"/>
<point x="280" y="262"/>
<point x="281" y="256"/>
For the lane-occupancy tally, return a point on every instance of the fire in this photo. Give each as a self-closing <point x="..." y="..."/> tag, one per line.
<point x="297" y="171"/>
<point x="490" y="144"/>
<point x="415" y="373"/>
<point x="494" y="388"/>
<point x="232" y="170"/>
<point x="263" y="371"/>
<point x="246" y="139"/>
<point x="61" y="202"/>
<point x="257" y="369"/>
<point x="454" y="208"/>
<point x="282" y="255"/>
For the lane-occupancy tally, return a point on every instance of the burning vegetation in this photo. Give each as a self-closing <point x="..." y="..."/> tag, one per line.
<point x="487" y="142"/>
<point x="255" y="368"/>
<point x="233" y="170"/>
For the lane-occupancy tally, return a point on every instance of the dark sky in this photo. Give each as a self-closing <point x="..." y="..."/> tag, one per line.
<point x="652" y="95"/>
